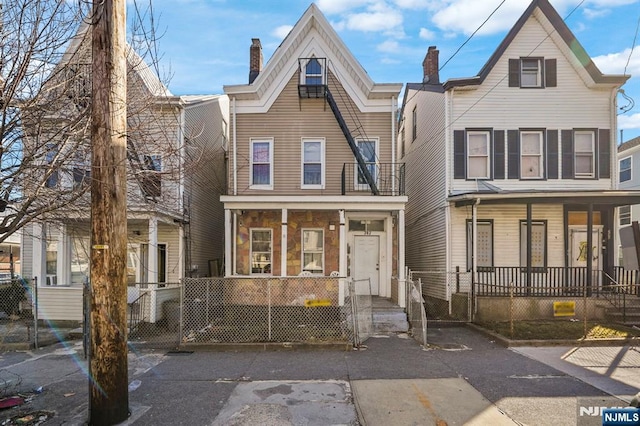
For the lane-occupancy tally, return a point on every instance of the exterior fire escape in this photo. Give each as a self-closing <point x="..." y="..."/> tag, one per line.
<point x="313" y="84"/>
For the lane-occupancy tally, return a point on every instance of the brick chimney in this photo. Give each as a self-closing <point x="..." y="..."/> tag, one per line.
<point x="430" y="66"/>
<point x="255" y="59"/>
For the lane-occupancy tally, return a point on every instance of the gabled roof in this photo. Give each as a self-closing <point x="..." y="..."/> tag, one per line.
<point x="631" y="143"/>
<point x="571" y="47"/>
<point x="312" y="36"/>
<point x="137" y="63"/>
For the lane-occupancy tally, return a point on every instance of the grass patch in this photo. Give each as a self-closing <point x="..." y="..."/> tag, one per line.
<point x="560" y="330"/>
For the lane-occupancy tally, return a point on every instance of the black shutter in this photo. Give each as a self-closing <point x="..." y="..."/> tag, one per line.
<point x="552" y="154"/>
<point x="514" y="72"/>
<point x="459" y="155"/>
<point x="604" y="153"/>
<point x="498" y="154"/>
<point x="550" y="73"/>
<point x="567" y="154"/>
<point x="513" y="142"/>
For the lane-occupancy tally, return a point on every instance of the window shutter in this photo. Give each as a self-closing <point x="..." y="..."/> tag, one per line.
<point x="604" y="154"/>
<point x="513" y="142"/>
<point x="550" y="73"/>
<point x="498" y="154"/>
<point x="459" y="155"/>
<point x="552" y="154"/>
<point x="567" y="154"/>
<point x="514" y="72"/>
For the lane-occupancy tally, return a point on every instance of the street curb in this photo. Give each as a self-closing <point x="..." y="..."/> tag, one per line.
<point x="287" y="346"/>
<point x="509" y="343"/>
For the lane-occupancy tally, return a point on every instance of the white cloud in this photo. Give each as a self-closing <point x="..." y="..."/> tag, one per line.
<point x="629" y="121"/>
<point x="390" y="46"/>
<point x="427" y="34"/>
<point x="595" y="13"/>
<point x="614" y="63"/>
<point x="413" y="4"/>
<point x="282" y="31"/>
<point x="378" y="18"/>
<point x="464" y="16"/>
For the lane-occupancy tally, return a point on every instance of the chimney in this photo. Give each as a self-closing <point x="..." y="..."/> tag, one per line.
<point x="430" y="66"/>
<point x="255" y="59"/>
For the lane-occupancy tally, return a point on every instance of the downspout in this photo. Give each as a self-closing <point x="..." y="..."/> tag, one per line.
<point x="235" y="155"/>
<point x="474" y="254"/>
<point x="393" y="142"/>
<point x="614" y="131"/>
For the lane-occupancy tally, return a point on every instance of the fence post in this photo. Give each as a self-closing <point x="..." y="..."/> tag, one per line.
<point x="35" y="312"/>
<point x="457" y="279"/>
<point x="269" y="307"/>
<point x="584" y="312"/>
<point x="511" y="308"/>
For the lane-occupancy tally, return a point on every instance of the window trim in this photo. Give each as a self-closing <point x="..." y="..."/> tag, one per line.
<point x="305" y="75"/>
<point x="469" y="244"/>
<point x="487" y="133"/>
<point x="626" y="216"/>
<point x="523" y="255"/>
<point x="376" y="175"/>
<point x="253" y="141"/>
<point x="303" y="163"/>
<point x="593" y="174"/>
<point x="251" y="251"/>
<point x="414" y="123"/>
<point x="539" y="72"/>
<point x="303" y="251"/>
<point x="542" y="153"/>
<point x="630" y="169"/>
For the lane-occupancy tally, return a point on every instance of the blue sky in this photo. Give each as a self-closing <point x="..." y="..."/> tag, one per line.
<point x="205" y="43"/>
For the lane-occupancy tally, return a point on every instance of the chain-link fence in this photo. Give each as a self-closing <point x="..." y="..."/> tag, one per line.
<point x="447" y="294"/>
<point x="361" y="310"/>
<point x="153" y="314"/>
<point x="17" y="323"/>
<point x="416" y="312"/>
<point x="265" y="309"/>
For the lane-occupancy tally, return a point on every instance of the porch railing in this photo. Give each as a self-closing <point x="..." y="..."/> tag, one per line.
<point x="549" y="281"/>
<point x="389" y="178"/>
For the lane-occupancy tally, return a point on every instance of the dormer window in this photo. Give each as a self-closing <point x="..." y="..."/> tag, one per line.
<point x="312" y="77"/>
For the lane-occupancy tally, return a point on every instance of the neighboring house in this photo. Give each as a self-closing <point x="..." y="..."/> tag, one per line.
<point x="314" y="186"/>
<point x="10" y="255"/>
<point x="628" y="161"/>
<point x="512" y="173"/>
<point x="176" y="161"/>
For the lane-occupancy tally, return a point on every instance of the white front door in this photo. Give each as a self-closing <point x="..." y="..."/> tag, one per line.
<point x="578" y="248"/>
<point x="366" y="260"/>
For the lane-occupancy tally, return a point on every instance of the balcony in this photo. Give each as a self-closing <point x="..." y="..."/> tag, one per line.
<point x="389" y="178"/>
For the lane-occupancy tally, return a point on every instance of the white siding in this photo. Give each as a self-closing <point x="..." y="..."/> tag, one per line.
<point x="425" y="182"/>
<point x="60" y="303"/>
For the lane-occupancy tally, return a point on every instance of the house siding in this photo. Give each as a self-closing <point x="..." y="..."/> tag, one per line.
<point x="289" y="120"/>
<point x="60" y="303"/>
<point x="426" y="184"/>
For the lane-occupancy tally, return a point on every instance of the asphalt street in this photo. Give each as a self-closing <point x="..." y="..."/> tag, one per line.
<point x="461" y="378"/>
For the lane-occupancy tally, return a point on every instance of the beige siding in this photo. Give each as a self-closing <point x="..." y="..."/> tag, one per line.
<point x="495" y="105"/>
<point x="425" y="182"/>
<point x="506" y="233"/>
<point x="289" y="120"/>
<point x="204" y="182"/>
<point x="171" y="237"/>
<point x="26" y="252"/>
<point x="60" y="303"/>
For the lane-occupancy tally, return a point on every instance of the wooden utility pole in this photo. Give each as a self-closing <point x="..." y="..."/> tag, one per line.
<point x="108" y="390"/>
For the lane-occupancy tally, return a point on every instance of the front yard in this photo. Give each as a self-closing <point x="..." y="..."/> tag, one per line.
<point x="560" y="330"/>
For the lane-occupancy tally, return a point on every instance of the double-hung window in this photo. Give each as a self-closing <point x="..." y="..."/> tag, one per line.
<point x="50" y="157"/>
<point x="313" y="251"/>
<point x="262" y="163"/>
<point x="261" y="251"/>
<point x="538" y="244"/>
<point x="531" y="155"/>
<point x="531" y="72"/>
<point x="478" y="149"/>
<point x="584" y="152"/>
<point x="369" y="152"/>
<point x="151" y="178"/>
<point x="313" y="163"/>
<point x="625" y="169"/>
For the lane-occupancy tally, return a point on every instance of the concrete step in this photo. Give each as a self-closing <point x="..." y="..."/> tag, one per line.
<point x="390" y="321"/>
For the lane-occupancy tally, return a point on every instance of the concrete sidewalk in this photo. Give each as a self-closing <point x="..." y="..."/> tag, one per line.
<point x="467" y="380"/>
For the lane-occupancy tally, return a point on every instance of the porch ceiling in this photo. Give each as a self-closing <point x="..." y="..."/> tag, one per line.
<point x="608" y="198"/>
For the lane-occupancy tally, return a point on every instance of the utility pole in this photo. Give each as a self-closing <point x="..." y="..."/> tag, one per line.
<point x="108" y="390"/>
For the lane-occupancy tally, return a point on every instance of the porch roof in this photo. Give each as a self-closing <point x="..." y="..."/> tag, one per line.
<point x="310" y="202"/>
<point x="613" y="198"/>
